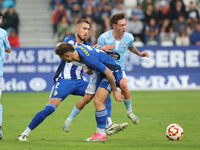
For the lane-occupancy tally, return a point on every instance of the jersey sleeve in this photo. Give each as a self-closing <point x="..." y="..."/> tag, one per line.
<point x="6" y="42"/>
<point x="100" y="67"/>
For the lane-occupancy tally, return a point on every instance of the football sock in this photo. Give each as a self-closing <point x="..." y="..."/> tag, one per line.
<point x="74" y="113"/>
<point x="101" y="131"/>
<point x="108" y="122"/>
<point x="108" y="107"/>
<point x="40" y="116"/>
<point x="1" y="111"/>
<point x="27" y="131"/>
<point x="101" y="117"/>
<point x="128" y="104"/>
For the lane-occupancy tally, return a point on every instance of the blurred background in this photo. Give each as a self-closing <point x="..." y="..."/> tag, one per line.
<point x="168" y="29"/>
<point x="152" y="22"/>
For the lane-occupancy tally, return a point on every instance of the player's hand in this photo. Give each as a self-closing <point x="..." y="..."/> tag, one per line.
<point x="107" y="48"/>
<point x="144" y="54"/>
<point x="89" y="72"/>
<point x="118" y="96"/>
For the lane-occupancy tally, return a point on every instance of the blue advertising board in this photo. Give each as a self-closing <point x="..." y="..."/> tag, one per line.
<point x="167" y="68"/>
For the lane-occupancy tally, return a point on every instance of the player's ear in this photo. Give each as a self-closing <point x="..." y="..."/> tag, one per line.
<point x="114" y="25"/>
<point x="76" y="28"/>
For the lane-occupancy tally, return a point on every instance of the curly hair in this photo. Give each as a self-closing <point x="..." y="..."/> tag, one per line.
<point x="63" y="48"/>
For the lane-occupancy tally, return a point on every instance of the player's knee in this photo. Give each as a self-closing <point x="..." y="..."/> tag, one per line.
<point x="123" y="86"/>
<point x="88" y="98"/>
<point x="98" y="103"/>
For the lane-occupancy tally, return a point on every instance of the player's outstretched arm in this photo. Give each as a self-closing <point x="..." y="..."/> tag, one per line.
<point x="134" y="50"/>
<point x="8" y="50"/>
<point x="118" y="96"/>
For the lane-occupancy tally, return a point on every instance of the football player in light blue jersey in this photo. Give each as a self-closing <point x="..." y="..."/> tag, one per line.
<point x="4" y="47"/>
<point x="122" y="41"/>
<point x="110" y="72"/>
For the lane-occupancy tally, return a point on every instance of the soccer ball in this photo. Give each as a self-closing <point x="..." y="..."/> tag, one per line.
<point x="174" y="132"/>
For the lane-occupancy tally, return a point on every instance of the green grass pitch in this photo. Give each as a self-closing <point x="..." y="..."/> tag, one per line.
<point x="156" y="110"/>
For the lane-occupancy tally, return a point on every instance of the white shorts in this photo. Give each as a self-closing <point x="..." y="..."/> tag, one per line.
<point x="1" y="86"/>
<point x="124" y="75"/>
<point x="93" y="80"/>
<point x="92" y="84"/>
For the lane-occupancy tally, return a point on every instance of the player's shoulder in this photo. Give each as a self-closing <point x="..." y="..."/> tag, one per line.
<point x="3" y="32"/>
<point x="70" y="39"/>
<point x="128" y="35"/>
<point x="106" y="34"/>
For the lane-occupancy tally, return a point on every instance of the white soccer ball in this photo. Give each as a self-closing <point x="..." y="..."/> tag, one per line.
<point x="174" y="132"/>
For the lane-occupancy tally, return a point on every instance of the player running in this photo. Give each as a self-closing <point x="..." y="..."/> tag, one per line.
<point x="122" y="41"/>
<point x="110" y="72"/>
<point x="4" y="47"/>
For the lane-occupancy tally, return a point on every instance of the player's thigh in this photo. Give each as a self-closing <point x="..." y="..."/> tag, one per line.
<point x="62" y="88"/>
<point x="81" y="87"/>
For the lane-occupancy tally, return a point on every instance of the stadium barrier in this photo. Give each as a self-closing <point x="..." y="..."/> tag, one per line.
<point x="167" y="68"/>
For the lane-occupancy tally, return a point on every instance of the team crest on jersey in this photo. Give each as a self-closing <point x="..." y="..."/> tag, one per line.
<point x="124" y="45"/>
<point x="55" y="92"/>
<point x="71" y="42"/>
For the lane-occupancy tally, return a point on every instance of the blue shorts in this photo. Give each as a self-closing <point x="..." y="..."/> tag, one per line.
<point x="64" y="87"/>
<point x="103" y="82"/>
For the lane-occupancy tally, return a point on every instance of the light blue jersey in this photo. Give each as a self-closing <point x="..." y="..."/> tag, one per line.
<point x="4" y="44"/>
<point x="126" y="42"/>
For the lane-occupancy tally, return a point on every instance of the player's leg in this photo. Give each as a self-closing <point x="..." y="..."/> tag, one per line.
<point x="1" y="109"/>
<point x="76" y="110"/>
<point x="112" y="128"/>
<point x="59" y="92"/>
<point x="127" y="101"/>
<point x="39" y="117"/>
<point x="100" y="114"/>
<point x="83" y="89"/>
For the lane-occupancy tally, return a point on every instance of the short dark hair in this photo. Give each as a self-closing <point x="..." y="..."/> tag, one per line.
<point x="63" y="48"/>
<point x="116" y="17"/>
<point x="1" y="14"/>
<point x="80" y="21"/>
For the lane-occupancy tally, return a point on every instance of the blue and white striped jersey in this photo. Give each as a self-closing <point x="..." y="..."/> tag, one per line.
<point x="69" y="70"/>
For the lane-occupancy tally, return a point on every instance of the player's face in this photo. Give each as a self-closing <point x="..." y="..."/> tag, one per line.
<point x="120" y="27"/>
<point x="83" y="31"/>
<point x="0" y="20"/>
<point x="66" y="57"/>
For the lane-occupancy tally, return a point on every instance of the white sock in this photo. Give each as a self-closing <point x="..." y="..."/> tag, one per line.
<point x="101" y="131"/>
<point x="108" y="122"/>
<point x="27" y="131"/>
<point x="129" y="111"/>
<point x="69" y="119"/>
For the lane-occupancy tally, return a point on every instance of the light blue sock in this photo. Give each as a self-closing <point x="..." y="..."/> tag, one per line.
<point x="1" y="111"/>
<point x="128" y="104"/>
<point x="74" y="113"/>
